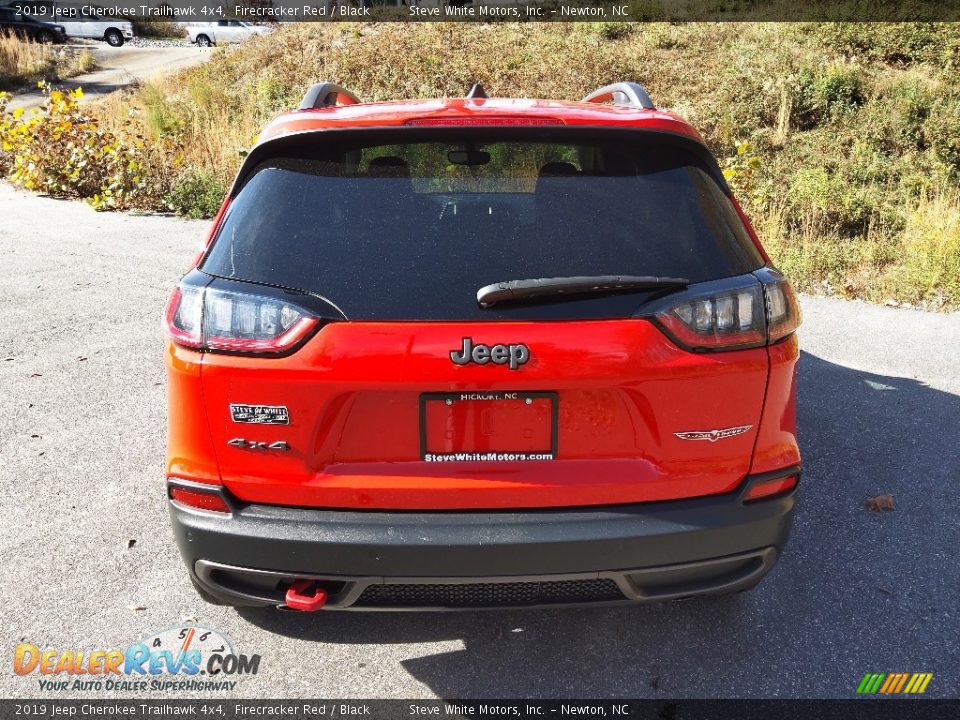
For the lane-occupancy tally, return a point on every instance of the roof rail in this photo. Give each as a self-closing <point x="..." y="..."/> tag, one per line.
<point x="622" y="93"/>
<point x="326" y="95"/>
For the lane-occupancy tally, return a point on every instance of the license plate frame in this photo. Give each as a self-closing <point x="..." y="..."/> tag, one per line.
<point x="481" y="396"/>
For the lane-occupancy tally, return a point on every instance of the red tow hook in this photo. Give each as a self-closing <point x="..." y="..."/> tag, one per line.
<point x="306" y="596"/>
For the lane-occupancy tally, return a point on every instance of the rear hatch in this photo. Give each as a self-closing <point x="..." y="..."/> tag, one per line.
<point x="408" y="393"/>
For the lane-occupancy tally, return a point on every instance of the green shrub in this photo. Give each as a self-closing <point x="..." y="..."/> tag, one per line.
<point x="912" y="103"/>
<point x="196" y="194"/>
<point x="895" y="43"/>
<point x="273" y="95"/>
<point x="942" y="132"/>
<point x="615" y="30"/>
<point x="163" y="117"/>
<point x="822" y="94"/>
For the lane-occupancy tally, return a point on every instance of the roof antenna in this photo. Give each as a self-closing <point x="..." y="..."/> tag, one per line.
<point x="476" y="92"/>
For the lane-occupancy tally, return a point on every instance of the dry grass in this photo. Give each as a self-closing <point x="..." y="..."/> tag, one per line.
<point x="928" y="267"/>
<point x="25" y="62"/>
<point x="917" y="265"/>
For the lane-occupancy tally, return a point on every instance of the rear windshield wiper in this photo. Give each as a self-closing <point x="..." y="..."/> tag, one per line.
<point x="514" y="290"/>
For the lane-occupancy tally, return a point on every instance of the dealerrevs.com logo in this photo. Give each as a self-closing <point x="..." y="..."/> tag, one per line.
<point x="185" y="658"/>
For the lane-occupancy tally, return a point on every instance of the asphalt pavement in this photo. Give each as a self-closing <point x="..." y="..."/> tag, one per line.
<point x="88" y="559"/>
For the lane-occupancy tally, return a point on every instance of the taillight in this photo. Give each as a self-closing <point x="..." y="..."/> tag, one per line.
<point x="751" y="316"/>
<point x="726" y="319"/>
<point x="783" y="311"/>
<point x="185" y="316"/>
<point x="229" y="321"/>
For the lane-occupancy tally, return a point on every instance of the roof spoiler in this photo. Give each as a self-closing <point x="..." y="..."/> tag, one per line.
<point x="622" y="93"/>
<point x="631" y="94"/>
<point x="327" y="94"/>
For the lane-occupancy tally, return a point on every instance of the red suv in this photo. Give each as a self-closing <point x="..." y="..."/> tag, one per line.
<point x="480" y="353"/>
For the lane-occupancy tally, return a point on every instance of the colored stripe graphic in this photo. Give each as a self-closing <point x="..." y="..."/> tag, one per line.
<point x="891" y="679"/>
<point x="870" y="683"/>
<point x="903" y="680"/>
<point x="894" y="683"/>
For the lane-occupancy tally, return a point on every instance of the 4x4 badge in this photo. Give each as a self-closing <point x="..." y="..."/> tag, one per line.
<point x="511" y="355"/>
<point x="257" y="445"/>
<point x="713" y="435"/>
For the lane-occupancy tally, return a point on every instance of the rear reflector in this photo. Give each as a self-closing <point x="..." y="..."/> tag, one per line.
<point x="199" y="500"/>
<point x="480" y="121"/>
<point x="770" y="488"/>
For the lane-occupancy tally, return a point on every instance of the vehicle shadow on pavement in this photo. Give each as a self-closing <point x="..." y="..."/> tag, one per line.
<point x="806" y="631"/>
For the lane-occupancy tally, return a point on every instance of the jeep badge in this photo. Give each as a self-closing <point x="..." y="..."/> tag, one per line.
<point x="512" y="355"/>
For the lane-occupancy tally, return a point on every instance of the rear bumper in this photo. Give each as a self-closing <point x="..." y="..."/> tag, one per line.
<point x="376" y="560"/>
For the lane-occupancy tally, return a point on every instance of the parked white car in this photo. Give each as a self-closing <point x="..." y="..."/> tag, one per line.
<point x="79" y="20"/>
<point x="223" y="31"/>
<point x="84" y="25"/>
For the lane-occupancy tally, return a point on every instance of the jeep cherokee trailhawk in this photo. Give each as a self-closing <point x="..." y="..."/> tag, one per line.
<point x="480" y="352"/>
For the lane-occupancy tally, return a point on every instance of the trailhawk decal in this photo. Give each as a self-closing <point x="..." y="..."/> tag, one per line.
<point x="260" y="414"/>
<point x="713" y="435"/>
<point x="511" y="355"/>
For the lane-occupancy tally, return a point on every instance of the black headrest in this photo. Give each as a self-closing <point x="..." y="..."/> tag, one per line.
<point x="558" y="169"/>
<point x="389" y="166"/>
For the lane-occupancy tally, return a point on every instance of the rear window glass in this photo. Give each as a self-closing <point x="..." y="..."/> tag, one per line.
<point x="411" y="231"/>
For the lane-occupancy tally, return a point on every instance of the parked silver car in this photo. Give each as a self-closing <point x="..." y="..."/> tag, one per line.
<point x="223" y="31"/>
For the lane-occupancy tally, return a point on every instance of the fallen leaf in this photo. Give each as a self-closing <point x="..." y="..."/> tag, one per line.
<point x="880" y="503"/>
